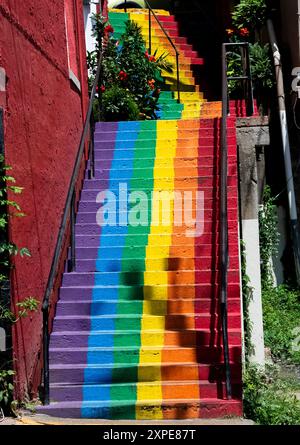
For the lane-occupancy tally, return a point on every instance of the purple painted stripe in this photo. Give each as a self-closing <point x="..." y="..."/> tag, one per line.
<point x="86" y="293"/>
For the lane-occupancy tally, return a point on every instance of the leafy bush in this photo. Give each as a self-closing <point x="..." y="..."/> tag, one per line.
<point x="261" y="66"/>
<point x="9" y="209"/>
<point x="119" y="105"/>
<point x="269" y="399"/>
<point x="250" y="14"/>
<point x="128" y="65"/>
<point x="281" y="312"/>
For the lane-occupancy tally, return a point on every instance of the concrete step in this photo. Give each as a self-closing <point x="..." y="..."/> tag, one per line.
<point x="172" y="409"/>
<point x="127" y="372"/>
<point x="172" y="306"/>
<point x="90" y="217"/>
<point x="206" y="238"/>
<point x="109" y="355"/>
<point x="153" y="252"/>
<point x="126" y="391"/>
<point x="135" y="292"/>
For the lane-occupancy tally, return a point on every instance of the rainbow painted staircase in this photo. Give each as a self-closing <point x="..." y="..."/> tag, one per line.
<point x="137" y="328"/>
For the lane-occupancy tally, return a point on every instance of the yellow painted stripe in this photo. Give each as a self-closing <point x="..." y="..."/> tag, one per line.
<point x="154" y="392"/>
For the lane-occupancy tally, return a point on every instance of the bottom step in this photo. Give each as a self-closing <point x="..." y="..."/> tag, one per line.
<point x="146" y="410"/>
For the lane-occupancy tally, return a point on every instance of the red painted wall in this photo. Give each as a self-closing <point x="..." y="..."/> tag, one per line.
<point x="43" y="123"/>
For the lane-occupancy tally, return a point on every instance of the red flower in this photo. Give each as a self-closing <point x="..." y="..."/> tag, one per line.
<point x="102" y="88"/>
<point x="244" y="32"/>
<point x="152" y="59"/>
<point x="151" y="84"/>
<point x="230" y="32"/>
<point x="123" y="76"/>
<point x="108" y="29"/>
<point x="147" y="55"/>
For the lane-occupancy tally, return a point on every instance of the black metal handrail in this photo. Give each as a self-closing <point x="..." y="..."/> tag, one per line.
<point x="224" y="248"/>
<point x="69" y="215"/>
<point x="177" y="53"/>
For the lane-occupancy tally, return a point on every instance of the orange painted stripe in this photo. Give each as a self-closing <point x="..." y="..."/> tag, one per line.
<point x="185" y="338"/>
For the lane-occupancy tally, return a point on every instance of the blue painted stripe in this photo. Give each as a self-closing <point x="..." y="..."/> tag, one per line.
<point x="107" y="357"/>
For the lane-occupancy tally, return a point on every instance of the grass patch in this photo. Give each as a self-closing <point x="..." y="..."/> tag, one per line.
<point x="270" y="399"/>
<point x="281" y="312"/>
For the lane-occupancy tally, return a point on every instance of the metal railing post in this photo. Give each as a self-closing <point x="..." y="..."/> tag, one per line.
<point x="46" y="383"/>
<point x="169" y="39"/>
<point x="72" y="260"/>
<point x="178" y="77"/>
<point x="150" y="32"/>
<point x="224" y="224"/>
<point x="250" y="105"/>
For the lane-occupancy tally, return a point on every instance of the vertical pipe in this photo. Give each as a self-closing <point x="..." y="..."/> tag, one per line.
<point x="250" y="106"/>
<point x="46" y="394"/>
<point x="224" y="224"/>
<point x="294" y="226"/>
<point x="150" y="32"/>
<point x="125" y="5"/>
<point x="178" y="77"/>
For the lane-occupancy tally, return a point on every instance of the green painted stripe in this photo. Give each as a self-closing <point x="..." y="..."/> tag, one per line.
<point x="130" y="393"/>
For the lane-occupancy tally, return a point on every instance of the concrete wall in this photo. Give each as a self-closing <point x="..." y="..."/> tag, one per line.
<point x="44" y="111"/>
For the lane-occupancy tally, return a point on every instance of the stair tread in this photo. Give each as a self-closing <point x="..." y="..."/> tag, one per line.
<point x="131" y="331"/>
<point x="150" y="383"/>
<point x="95" y="403"/>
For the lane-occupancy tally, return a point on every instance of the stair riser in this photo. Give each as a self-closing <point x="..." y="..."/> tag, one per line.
<point x="105" y="149"/>
<point x="172" y="411"/>
<point x="205" y="238"/>
<point x="139" y="240"/>
<point x="62" y="324"/>
<point x="199" y="250"/>
<point x="73" y="393"/>
<point x="204" y="125"/>
<point x="128" y="373"/>
<point x="152" y="307"/>
<point x="209" y="204"/>
<point x="135" y="265"/>
<point x="149" y="292"/>
<point x="202" y="354"/>
<point x="91" y="195"/>
<point x="90" y="217"/>
<point x="204" y="182"/>
<point x="166" y="138"/>
<point x="180" y="339"/>
<point x="129" y="278"/>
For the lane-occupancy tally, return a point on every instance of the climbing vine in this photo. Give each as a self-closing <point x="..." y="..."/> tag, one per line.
<point x="8" y="209"/>
<point x="247" y="291"/>
<point x="268" y="236"/>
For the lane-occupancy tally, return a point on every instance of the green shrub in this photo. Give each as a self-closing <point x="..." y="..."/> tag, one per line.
<point x="269" y="399"/>
<point x="281" y="312"/>
<point x="128" y="65"/>
<point x="250" y="14"/>
<point x="119" y="105"/>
